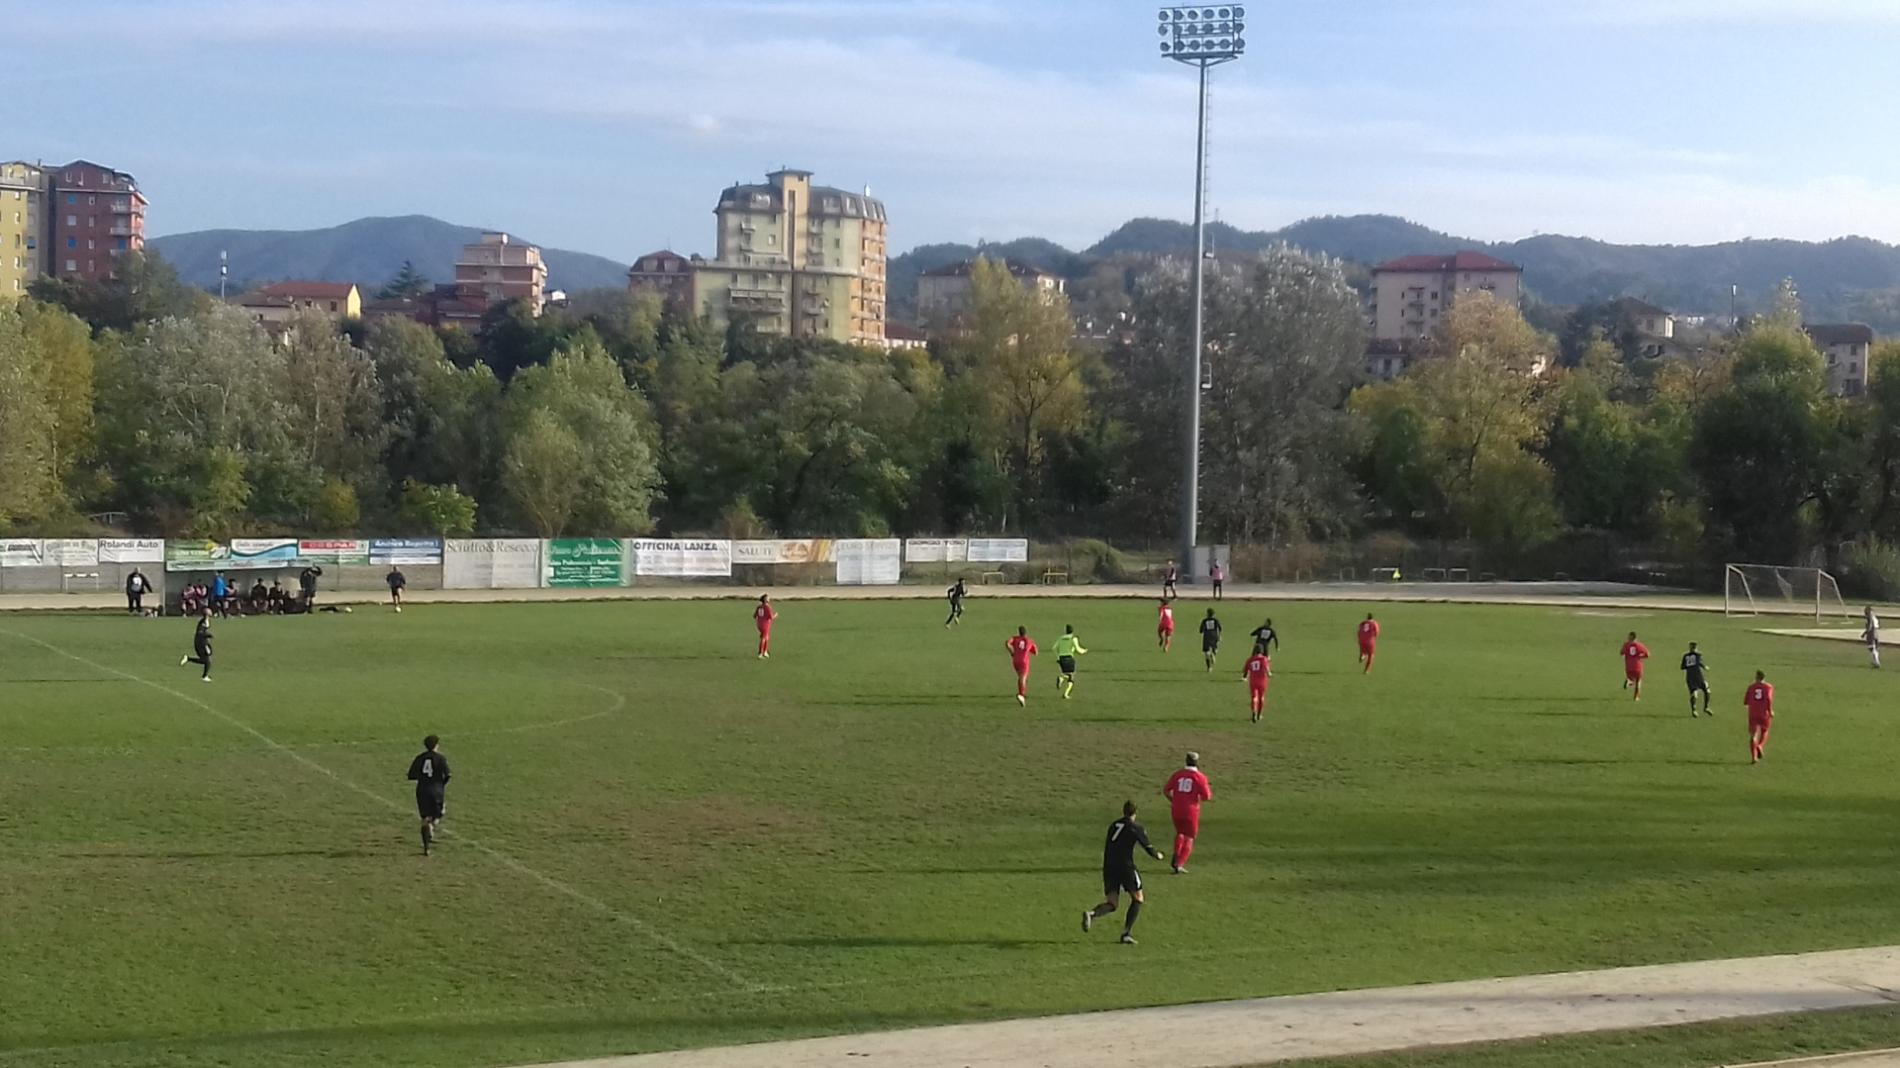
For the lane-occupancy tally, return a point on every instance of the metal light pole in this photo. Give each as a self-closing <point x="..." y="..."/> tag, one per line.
<point x="1200" y="37"/>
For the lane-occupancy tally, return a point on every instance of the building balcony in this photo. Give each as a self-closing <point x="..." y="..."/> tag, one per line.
<point x="121" y="207"/>
<point x="120" y="230"/>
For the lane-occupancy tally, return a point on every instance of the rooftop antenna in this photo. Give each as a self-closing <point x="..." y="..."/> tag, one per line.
<point x="224" y="271"/>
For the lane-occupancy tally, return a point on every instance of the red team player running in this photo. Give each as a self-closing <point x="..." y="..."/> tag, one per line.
<point x="1021" y="648"/>
<point x="763" y="616"/>
<point x="1634" y="653"/>
<point x="1257" y="671"/>
<point x="1185" y="790"/>
<point x="1760" y="699"/>
<point x="1164" y="629"/>
<point x="1368" y="641"/>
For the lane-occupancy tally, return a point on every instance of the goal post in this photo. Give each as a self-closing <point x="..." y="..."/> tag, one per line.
<point x="1757" y="589"/>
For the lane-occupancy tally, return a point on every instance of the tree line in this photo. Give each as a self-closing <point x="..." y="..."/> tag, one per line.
<point x="617" y="414"/>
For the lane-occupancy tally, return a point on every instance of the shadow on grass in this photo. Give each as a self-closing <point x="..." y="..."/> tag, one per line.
<point x="868" y="942"/>
<point x="233" y="854"/>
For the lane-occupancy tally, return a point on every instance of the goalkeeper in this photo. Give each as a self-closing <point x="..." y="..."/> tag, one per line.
<point x="1068" y="647"/>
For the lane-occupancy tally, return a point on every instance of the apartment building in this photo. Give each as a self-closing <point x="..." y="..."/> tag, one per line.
<point x="943" y="293"/>
<point x="22" y="226"/>
<point x="1847" y="348"/>
<point x="797" y="260"/>
<point x="666" y="274"/>
<point x="1412" y="295"/>
<point x="277" y="305"/>
<point x="97" y="215"/>
<point x="497" y="270"/>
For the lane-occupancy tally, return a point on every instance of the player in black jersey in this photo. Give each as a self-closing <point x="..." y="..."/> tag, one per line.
<point x="430" y="772"/>
<point x="955" y="594"/>
<point x="1695" y="671"/>
<point x="1266" y="637"/>
<point x="201" y="645"/>
<point x="1210" y="639"/>
<point x="1118" y="872"/>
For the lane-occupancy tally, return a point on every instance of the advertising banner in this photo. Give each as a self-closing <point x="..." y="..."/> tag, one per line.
<point x="131" y="551"/>
<point x="936" y="550"/>
<point x="869" y="561"/>
<point x="491" y="564"/>
<point x="72" y="552"/>
<point x="691" y="559"/>
<point x="783" y="551"/>
<point x="194" y="555"/>
<point x="584" y="563"/>
<point x="405" y="550"/>
<point x="22" y="552"/>
<point x="257" y="554"/>
<point x="999" y="550"/>
<point x="333" y="551"/>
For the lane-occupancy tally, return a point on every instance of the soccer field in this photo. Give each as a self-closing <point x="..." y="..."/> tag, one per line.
<point x="659" y="841"/>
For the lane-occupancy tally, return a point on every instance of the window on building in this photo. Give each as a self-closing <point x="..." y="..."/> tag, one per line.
<point x="91" y="199"/>
<point x="1853" y="368"/>
<point x="72" y="220"/>
<point x="91" y="245"/>
<point x="72" y="198"/>
<point x="72" y="242"/>
<point x="72" y="265"/>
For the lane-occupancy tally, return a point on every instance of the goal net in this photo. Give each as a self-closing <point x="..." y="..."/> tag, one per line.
<point x="1755" y="589"/>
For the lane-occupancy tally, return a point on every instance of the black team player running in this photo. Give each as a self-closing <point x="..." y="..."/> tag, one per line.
<point x="1267" y="638"/>
<point x="956" y="594"/>
<point x="1695" y="671"/>
<point x="1210" y="639"/>
<point x="397" y="583"/>
<point x="1118" y="872"/>
<point x="430" y="772"/>
<point x="201" y="645"/>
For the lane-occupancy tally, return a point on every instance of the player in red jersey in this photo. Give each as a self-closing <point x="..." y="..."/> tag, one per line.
<point x="1164" y="630"/>
<point x="1368" y="641"/>
<point x="1257" y="671"/>
<point x="763" y="615"/>
<point x="1634" y="653"/>
<point x="1185" y="790"/>
<point x="1760" y="699"/>
<point x="1021" y="648"/>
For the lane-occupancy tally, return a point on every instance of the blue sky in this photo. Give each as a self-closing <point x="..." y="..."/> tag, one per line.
<point x="610" y="125"/>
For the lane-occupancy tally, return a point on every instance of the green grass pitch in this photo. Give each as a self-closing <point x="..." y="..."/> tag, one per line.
<point x="658" y="841"/>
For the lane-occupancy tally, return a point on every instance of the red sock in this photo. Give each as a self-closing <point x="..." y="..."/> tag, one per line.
<point x="1183" y="847"/>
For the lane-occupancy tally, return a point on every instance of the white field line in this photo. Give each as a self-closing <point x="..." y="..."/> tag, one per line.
<point x="506" y="860"/>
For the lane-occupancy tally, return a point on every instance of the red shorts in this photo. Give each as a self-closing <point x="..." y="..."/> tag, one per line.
<point x="1164" y="629"/>
<point x="1759" y="721"/>
<point x="1368" y="648"/>
<point x="1259" y="688"/>
<point x="1188" y="821"/>
<point x="1634" y="673"/>
<point x="1021" y="666"/>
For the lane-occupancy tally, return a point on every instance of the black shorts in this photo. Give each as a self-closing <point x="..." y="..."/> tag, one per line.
<point x="429" y="803"/>
<point x="1067" y="664"/>
<point x="1209" y="645"/>
<point x="1697" y="684"/>
<point x="1114" y="881"/>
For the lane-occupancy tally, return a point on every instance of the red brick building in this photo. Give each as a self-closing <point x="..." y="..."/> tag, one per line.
<point x="98" y="215"/>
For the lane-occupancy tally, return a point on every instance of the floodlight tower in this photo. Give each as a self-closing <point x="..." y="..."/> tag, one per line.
<point x="1201" y="37"/>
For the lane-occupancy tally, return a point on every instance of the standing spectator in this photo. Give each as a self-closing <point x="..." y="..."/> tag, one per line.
<point x="220" y="594"/>
<point x="136" y="587"/>
<point x="307" y="581"/>
<point x="1169" y="576"/>
<point x="1216" y="575"/>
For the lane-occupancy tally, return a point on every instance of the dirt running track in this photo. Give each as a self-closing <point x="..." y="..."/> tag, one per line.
<point x="1234" y="1034"/>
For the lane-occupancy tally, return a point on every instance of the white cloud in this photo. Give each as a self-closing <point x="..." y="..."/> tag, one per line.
<point x="1649" y="13"/>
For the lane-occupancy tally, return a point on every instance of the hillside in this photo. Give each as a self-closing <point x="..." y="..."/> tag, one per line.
<point x="1850" y="278"/>
<point x="366" y="251"/>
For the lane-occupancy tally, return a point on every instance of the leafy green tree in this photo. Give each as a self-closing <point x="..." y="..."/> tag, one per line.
<point x="1759" y="440"/>
<point x="407" y="284"/>
<point x="539" y="472"/>
<point x="1014" y="348"/>
<point x="181" y="398"/>
<point x="584" y="391"/>
<point x="1616" y="462"/>
<point x="336" y="509"/>
<point x="332" y="408"/>
<point x="1478" y="412"/>
<point x="1883" y="414"/>
<point x="440" y="510"/>
<point x="144" y="290"/>
<point x="29" y="428"/>
<point x="62" y="349"/>
<point x="441" y="421"/>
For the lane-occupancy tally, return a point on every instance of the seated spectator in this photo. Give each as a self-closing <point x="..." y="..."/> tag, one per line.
<point x="258" y="596"/>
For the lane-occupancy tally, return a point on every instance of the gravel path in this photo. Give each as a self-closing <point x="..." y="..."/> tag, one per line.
<point x="1349" y="1023"/>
